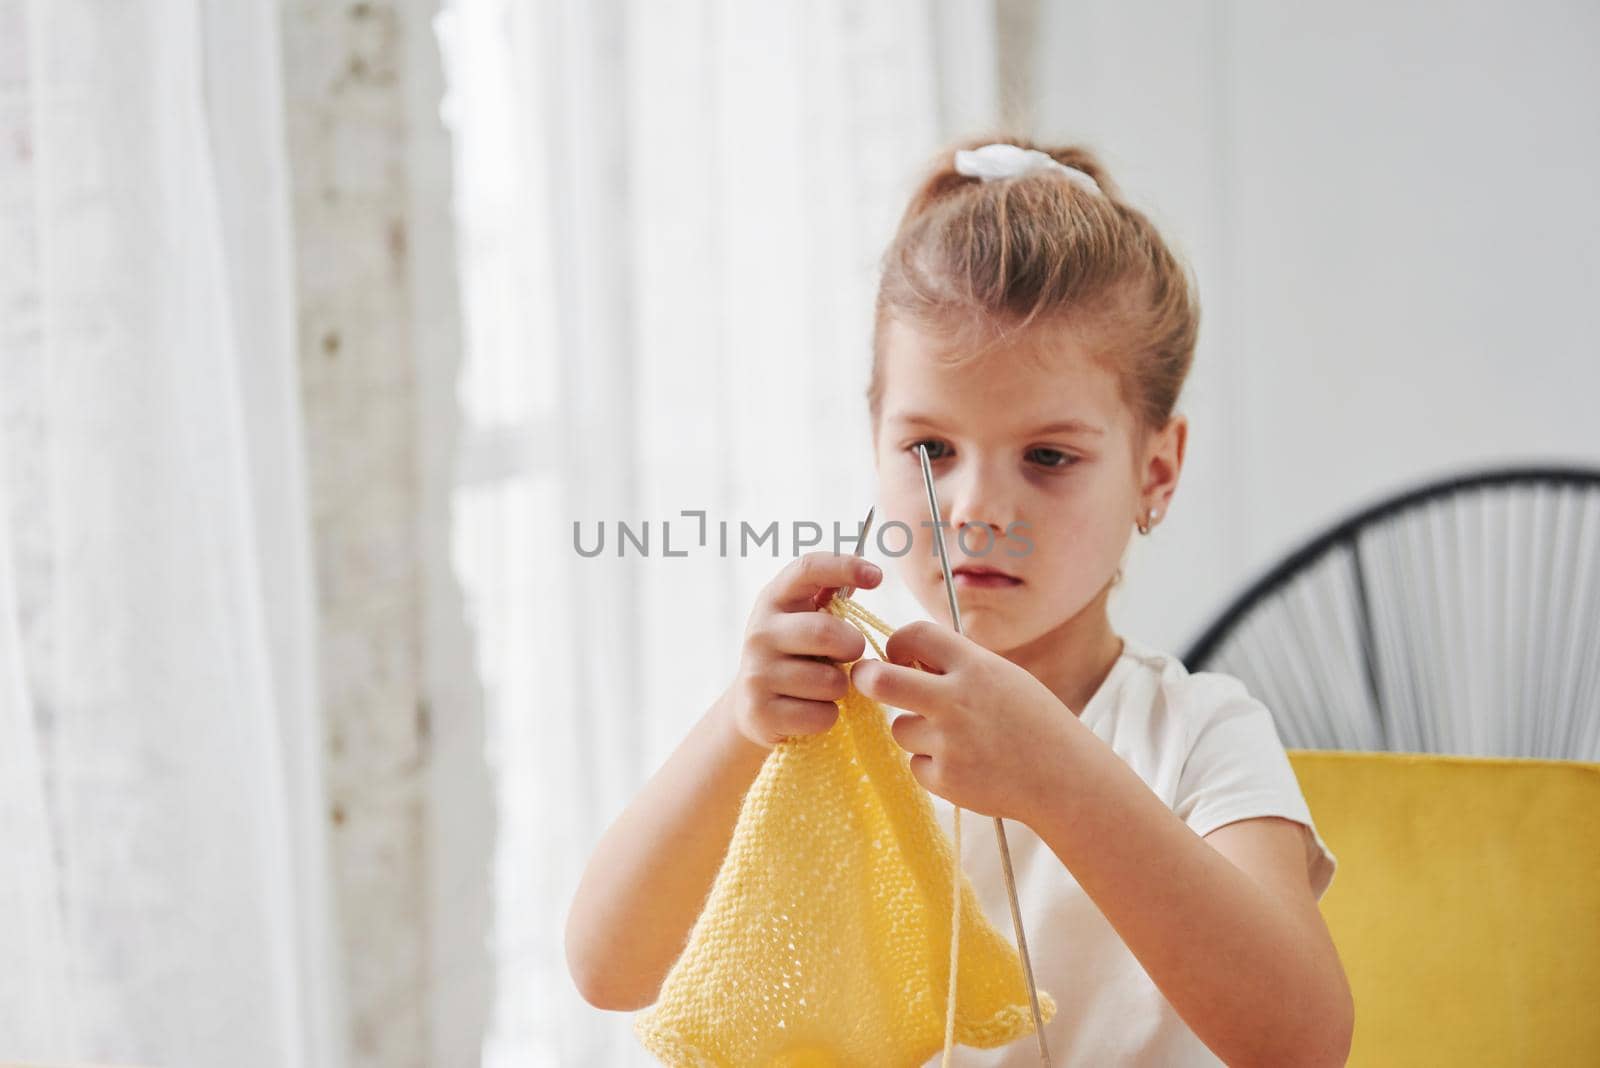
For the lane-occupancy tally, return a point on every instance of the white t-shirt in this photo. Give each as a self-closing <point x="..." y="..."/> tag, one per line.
<point x="1210" y="751"/>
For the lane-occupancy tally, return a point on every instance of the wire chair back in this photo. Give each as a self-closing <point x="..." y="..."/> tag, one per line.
<point x="1459" y="617"/>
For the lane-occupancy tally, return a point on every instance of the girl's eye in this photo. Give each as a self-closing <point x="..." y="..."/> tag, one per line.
<point x="1053" y="457"/>
<point x="1045" y="457"/>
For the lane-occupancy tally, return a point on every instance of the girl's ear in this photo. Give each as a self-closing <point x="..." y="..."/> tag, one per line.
<point x="1164" y="452"/>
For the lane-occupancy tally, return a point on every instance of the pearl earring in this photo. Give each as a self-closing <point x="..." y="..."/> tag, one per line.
<point x="1146" y="526"/>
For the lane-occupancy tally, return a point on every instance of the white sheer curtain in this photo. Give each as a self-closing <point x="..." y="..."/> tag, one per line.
<point x="670" y="218"/>
<point x="163" y="872"/>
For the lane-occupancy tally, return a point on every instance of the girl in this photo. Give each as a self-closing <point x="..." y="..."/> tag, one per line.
<point x="1034" y="331"/>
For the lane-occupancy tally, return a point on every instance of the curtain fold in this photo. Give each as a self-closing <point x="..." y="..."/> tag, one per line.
<point x="670" y="219"/>
<point x="158" y="727"/>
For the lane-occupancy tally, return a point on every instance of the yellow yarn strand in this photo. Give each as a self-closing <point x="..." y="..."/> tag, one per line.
<point x="955" y="948"/>
<point x="812" y="948"/>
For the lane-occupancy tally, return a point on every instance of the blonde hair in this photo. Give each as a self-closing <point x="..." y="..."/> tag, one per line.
<point x="979" y="261"/>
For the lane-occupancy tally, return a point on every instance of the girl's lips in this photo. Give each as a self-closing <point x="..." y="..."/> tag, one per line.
<point x="985" y="580"/>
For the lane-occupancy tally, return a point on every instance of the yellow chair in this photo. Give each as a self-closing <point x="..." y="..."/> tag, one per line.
<point x="1466" y="905"/>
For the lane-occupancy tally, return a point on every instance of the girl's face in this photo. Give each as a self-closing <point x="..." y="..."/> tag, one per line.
<point x="1033" y="462"/>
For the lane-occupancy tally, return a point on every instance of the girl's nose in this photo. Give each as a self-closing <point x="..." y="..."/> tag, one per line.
<point x="978" y="538"/>
<point x="976" y="524"/>
<point x="973" y="501"/>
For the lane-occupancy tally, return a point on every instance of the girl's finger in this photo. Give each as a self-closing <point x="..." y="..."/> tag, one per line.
<point x="809" y="680"/>
<point x="815" y="634"/>
<point x="794" y="718"/>
<point x="796" y="586"/>
<point x="900" y="687"/>
<point x="936" y="647"/>
<point x="868" y="579"/>
<point x="914" y="734"/>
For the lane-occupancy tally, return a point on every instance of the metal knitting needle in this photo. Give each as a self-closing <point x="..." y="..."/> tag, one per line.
<point x="999" y="824"/>
<point x="861" y="549"/>
<point x="844" y="592"/>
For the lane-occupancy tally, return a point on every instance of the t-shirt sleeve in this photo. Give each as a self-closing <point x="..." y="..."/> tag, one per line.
<point x="1237" y="769"/>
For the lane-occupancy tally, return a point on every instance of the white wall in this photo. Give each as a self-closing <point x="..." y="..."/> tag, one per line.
<point x="1391" y="210"/>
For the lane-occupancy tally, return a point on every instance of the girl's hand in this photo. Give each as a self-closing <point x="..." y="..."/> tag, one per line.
<point x="982" y="732"/>
<point x="789" y="674"/>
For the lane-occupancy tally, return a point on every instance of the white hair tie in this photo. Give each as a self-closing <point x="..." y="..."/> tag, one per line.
<point x="1001" y="160"/>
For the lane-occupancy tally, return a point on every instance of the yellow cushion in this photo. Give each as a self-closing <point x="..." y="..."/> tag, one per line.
<point x="1466" y="906"/>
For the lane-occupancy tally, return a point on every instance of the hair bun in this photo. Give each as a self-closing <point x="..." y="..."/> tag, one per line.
<point x="978" y="256"/>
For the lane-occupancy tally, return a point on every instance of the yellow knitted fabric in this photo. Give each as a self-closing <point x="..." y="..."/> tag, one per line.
<point x="825" y="941"/>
